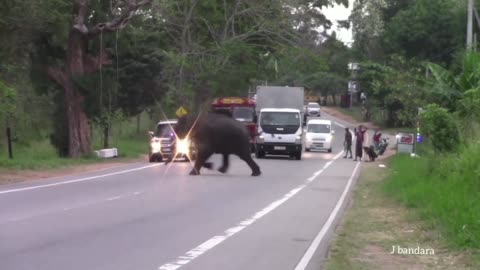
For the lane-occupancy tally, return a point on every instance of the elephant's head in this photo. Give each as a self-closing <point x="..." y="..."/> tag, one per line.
<point x="184" y="126"/>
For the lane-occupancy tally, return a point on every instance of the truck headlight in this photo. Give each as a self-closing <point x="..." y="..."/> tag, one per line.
<point x="183" y="146"/>
<point x="260" y="139"/>
<point x="298" y="139"/>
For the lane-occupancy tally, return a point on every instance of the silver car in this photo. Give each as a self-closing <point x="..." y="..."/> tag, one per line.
<point x="313" y="109"/>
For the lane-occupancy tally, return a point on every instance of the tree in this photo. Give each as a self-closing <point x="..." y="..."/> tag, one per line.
<point x="7" y="101"/>
<point x="426" y="30"/>
<point x="448" y="88"/>
<point x="77" y="60"/>
<point x="367" y="28"/>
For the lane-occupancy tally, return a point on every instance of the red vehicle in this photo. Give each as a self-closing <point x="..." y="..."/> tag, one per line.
<point x="240" y="108"/>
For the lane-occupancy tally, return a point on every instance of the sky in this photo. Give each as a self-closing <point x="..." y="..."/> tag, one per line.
<point x="339" y="12"/>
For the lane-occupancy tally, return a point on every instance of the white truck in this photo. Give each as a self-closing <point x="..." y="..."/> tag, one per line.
<point x="279" y="110"/>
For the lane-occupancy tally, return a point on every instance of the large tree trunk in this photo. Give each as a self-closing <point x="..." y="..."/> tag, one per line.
<point x="79" y="130"/>
<point x="78" y="62"/>
<point x="138" y="122"/>
<point x="334" y="99"/>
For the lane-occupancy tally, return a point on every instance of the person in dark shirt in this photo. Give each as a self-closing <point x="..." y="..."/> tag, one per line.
<point x="347" y="143"/>
<point x="360" y="135"/>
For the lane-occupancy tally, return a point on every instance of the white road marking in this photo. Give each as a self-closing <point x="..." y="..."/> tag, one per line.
<point x="76" y="180"/>
<point x="318" y="239"/>
<point x="338" y="124"/>
<point x="114" y="198"/>
<point x="214" y="241"/>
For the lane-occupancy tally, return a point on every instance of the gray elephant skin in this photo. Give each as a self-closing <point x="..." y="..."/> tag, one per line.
<point x="214" y="133"/>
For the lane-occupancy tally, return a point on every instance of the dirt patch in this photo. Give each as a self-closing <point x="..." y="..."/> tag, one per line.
<point x="375" y="223"/>
<point x="345" y="117"/>
<point x="9" y="176"/>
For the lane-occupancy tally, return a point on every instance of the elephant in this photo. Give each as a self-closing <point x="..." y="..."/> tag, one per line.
<point x="214" y="133"/>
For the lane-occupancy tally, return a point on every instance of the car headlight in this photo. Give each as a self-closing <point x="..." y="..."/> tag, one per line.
<point x="183" y="146"/>
<point x="155" y="147"/>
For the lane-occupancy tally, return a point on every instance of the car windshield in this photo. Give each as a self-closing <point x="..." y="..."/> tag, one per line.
<point x="318" y="128"/>
<point x="164" y="130"/>
<point x="280" y="119"/>
<point x="244" y="114"/>
<point x="313" y="105"/>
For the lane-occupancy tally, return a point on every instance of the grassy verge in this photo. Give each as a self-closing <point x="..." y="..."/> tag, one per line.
<point x="443" y="191"/>
<point x="355" y="112"/>
<point x="376" y="221"/>
<point x="42" y="155"/>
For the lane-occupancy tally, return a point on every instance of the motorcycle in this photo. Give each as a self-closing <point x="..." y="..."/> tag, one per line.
<point x="382" y="146"/>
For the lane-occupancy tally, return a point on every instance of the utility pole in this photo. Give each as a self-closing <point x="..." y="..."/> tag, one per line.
<point x="470" y="25"/>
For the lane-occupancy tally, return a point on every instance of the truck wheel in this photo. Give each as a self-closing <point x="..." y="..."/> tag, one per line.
<point x="307" y="149"/>
<point x="298" y="156"/>
<point x="330" y="150"/>
<point x="151" y="159"/>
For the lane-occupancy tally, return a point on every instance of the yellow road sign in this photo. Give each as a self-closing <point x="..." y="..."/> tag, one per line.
<point x="181" y="111"/>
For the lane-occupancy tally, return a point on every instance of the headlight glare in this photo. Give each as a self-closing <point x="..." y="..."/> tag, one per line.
<point x="183" y="146"/>
<point x="155" y="147"/>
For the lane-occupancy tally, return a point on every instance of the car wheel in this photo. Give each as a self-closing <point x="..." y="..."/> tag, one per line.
<point x="330" y="150"/>
<point x="307" y="149"/>
<point x="151" y="158"/>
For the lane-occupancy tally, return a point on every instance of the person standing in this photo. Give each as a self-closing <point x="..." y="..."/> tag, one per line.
<point x="376" y="140"/>
<point x="360" y="135"/>
<point x="347" y="143"/>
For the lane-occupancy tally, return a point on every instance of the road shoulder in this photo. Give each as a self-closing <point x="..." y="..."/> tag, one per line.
<point x="12" y="176"/>
<point x="374" y="223"/>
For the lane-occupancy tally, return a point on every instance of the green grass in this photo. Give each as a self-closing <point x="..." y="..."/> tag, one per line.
<point x="443" y="190"/>
<point x="42" y="155"/>
<point x="38" y="155"/>
<point x="355" y="112"/>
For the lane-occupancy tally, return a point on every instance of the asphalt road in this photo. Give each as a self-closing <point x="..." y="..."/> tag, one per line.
<point x="146" y="216"/>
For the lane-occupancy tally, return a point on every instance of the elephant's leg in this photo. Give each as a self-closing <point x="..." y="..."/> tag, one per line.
<point x="202" y="156"/>
<point x="251" y="163"/>
<point x="225" y="164"/>
<point x="208" y="165"/>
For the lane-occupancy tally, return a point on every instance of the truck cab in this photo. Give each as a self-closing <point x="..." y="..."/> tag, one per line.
<point x="241" y="109"/>
<point x="280" y="133"/>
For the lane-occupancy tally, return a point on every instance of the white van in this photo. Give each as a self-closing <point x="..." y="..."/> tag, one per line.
<point x="319" y="135"/>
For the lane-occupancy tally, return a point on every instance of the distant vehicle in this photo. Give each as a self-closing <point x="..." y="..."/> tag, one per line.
<point x="164" y="144"/>
<point x="319" y="135"/>
<point x="313" y="109"/>
<point x="241" y="109"/>
<point x="280" y="111"/>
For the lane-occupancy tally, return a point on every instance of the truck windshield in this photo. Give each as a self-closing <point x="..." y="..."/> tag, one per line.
<point x="280" y="119"/>
<point x="318" y="128"/>
<point x="164" y="130"/>
<point x="243" y="114"/>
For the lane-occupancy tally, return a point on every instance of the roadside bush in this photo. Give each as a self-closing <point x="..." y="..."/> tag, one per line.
<point x="440" y="129"/>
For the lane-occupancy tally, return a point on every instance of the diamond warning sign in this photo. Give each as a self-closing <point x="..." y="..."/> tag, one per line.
<point x="181" y="111"/>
